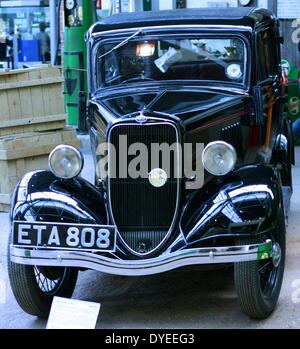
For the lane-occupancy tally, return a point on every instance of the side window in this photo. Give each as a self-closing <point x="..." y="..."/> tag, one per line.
<point x="267" y="53"/>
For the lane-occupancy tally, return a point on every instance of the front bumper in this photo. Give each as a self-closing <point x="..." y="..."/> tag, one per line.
<point x="163" y="263"/>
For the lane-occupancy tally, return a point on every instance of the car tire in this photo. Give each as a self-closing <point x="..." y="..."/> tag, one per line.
<point x="258" y="293"/>
<point x="33" y="296"/>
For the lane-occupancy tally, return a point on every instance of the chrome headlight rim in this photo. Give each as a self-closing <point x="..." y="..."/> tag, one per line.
<point x="78" y="155"/>
<point x="216" y="144"/>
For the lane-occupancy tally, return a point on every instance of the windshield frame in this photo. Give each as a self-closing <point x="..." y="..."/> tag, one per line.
<point x="178" y="33"/>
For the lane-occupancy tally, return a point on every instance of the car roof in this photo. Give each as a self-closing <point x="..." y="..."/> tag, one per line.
<point x="239" y="16"/>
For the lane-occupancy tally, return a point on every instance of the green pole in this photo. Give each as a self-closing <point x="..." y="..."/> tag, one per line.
<point x="79" y="16"/>
<point x="293" y="94"/>
<point x="147" y="4"/>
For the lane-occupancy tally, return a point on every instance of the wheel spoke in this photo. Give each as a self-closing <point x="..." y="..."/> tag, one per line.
<point x="45" y="284"/>
<point x="264" y="266"/>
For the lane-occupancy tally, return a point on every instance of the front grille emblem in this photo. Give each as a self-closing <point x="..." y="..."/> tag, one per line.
<point x="142" y="247"/>
<point x="158" y="177"/>
<point x="141" y="118"/>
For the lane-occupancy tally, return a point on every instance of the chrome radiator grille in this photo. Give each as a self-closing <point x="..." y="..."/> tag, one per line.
<point x="143" y="213"/>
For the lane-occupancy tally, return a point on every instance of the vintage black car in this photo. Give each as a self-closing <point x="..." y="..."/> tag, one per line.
<point x="205" y="83"/>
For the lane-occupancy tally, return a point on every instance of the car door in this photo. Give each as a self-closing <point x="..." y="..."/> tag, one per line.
<point x="268" y="75"/>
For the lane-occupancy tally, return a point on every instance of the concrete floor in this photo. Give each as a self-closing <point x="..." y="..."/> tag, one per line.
<point x="193" y="299"/>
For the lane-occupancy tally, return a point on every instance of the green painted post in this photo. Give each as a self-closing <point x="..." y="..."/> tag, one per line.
<point x="293" y="94"/>
<point x="147" y="5"/>
<point x="292" y="75"/>
<point x="79" y="16"/>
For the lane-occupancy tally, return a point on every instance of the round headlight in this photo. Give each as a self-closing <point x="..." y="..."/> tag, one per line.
<point x="66" y="162"/>
<point x="219" y="158"/>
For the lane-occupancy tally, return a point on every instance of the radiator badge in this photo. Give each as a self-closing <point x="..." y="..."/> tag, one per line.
<point x="141" y="118"/>
<point x="158" y="177"/>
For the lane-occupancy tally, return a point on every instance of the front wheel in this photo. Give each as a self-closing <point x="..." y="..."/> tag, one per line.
<point x="258" y="283"/>
<point x="35" y="287"/>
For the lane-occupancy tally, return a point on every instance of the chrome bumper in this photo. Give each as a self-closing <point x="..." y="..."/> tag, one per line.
<point x="163" y="263"/>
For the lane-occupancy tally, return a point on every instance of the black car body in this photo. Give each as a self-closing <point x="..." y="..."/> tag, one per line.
<point x="170" y="77"/>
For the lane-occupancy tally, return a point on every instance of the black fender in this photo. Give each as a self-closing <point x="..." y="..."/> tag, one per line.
<point x="40" y="196"/>
<point x="243" y="203"/>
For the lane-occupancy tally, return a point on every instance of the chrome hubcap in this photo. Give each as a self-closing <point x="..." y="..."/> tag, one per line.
<point x="276" y="255"/>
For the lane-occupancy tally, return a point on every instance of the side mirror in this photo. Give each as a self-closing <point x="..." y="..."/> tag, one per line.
<point x="258" y="105"/>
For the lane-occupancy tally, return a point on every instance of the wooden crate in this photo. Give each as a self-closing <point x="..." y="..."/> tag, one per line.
<point x="43" y="123"/>
<point x="31" y="94"/>
<point x="26" y="152"/>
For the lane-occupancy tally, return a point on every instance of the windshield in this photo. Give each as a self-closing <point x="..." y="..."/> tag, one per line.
<point x="140" y="60"/>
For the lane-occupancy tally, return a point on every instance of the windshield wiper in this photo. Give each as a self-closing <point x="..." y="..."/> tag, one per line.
<point x="121" y="44"/>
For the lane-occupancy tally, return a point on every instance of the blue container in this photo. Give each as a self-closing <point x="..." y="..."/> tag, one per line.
<point x="30" y="51"/>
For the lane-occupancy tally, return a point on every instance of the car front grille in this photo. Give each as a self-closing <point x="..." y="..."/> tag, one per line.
<point x="143" y="213"/>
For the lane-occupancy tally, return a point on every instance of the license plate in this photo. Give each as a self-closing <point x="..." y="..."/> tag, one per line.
<point x="65" y="236"/>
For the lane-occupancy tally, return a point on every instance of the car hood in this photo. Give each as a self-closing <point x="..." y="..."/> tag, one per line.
<point x="183" y="104"/>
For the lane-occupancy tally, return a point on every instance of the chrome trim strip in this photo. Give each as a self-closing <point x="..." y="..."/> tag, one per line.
<point x="180" y="26"/>
<point x="163" y="263"/>
<point x="156" y="121"/>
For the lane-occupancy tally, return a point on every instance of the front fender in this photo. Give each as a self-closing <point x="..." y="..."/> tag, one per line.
<point x="40" y="196"/>
<point x="244" y="203"/>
